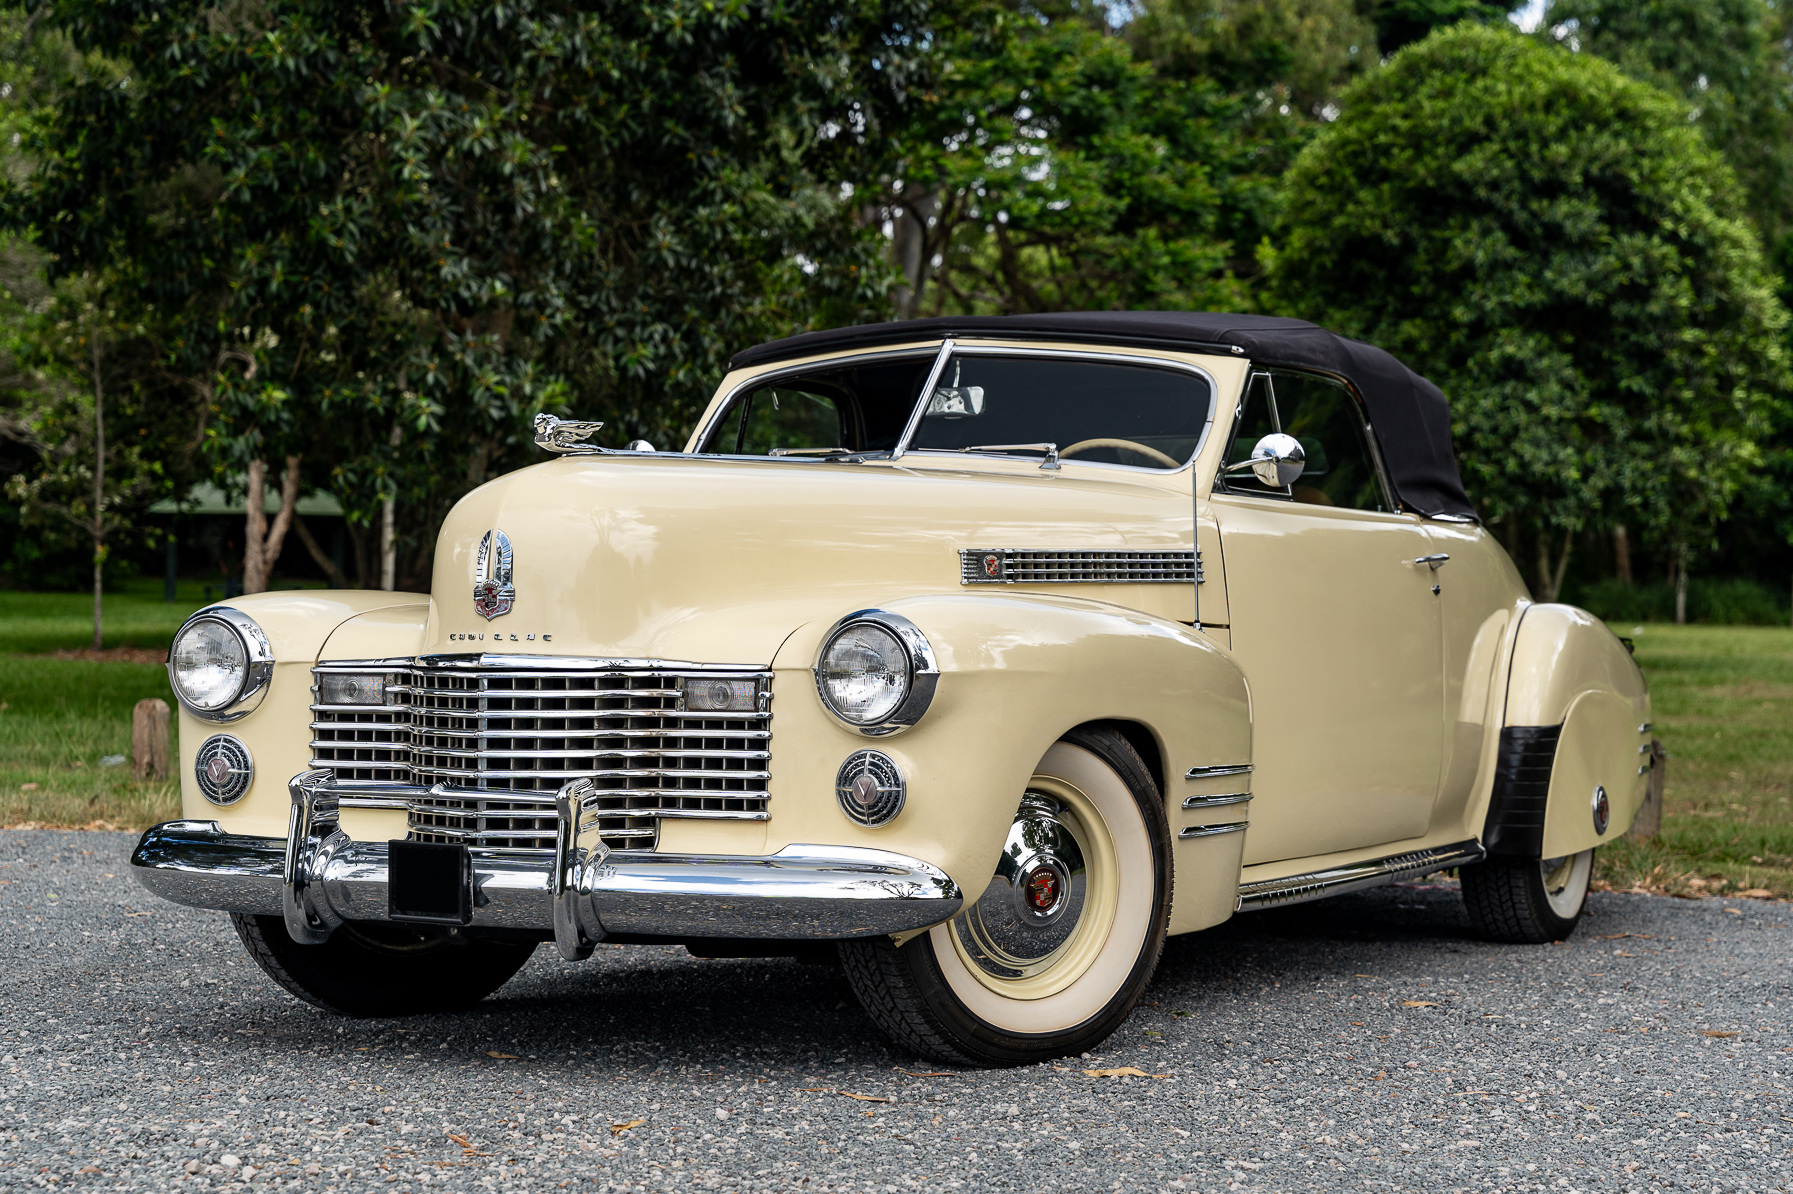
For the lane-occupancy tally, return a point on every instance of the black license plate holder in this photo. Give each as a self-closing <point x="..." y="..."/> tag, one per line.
<point x="429" y="882"/>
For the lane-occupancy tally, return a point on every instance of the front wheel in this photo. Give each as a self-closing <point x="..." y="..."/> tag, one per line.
<point x="1525" y="900"/>
<point x="370" y="969"/>
<point x="1053" y="956"/>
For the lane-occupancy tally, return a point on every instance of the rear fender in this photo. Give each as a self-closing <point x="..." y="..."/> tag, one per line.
<point x="1574" y="730"/>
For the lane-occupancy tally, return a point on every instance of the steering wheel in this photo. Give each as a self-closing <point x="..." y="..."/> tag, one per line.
<point x="1125" y="445"/>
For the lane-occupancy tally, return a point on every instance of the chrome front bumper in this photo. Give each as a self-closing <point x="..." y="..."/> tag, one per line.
<point x="317" y="878"/>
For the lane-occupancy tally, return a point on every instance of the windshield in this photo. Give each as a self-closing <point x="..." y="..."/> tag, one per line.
<point x="1104" y="412"/>
<point x="1095" y="411"/>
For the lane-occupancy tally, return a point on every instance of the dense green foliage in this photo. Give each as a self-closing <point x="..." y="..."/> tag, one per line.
<point x="382" y="236"/>
<point x="379" y="238"/>
<point x="1557" y="247"/>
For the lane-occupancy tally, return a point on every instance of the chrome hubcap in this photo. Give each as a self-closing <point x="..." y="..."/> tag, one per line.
<point x="1033" y="905"/>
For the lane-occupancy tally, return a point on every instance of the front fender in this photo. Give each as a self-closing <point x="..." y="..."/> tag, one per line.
<point x="1575" y="721"/>
<point x="298" y="624"/>
<point x="1016" y="672"/>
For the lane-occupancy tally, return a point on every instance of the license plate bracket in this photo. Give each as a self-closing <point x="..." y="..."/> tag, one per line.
<point x="430" y="882"/>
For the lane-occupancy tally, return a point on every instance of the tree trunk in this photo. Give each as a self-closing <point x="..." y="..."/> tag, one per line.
<point x="1550" y="576"/>
<point x="389" y="527"/>
<point x="261" y="545"/>
<point x="1680" y="584"/>
<point x="337" y="576"/>
<point x="1621" y="554"/>
<point x="99" y="495"/>
<point x="388" y="546"/>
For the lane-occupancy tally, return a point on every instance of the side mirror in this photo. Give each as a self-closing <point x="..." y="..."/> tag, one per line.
<point x="1276" y="461"/>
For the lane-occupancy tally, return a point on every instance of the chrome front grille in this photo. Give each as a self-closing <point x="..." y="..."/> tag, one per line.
<point x="1029" y="566"/>
<point x="489" y="740"/>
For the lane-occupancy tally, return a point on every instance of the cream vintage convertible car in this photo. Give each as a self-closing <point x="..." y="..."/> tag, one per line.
<point x="986" y="652"/>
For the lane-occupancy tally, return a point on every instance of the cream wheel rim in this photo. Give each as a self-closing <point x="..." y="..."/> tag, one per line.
<point x="1566" y="882"/>
<point x="1026" y="963"/>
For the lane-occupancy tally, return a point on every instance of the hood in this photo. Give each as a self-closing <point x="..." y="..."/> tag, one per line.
<point x="716" y="561"/>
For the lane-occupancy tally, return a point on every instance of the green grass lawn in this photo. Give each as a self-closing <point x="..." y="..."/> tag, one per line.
<point x="1723" y="701"/>
<point x="1723" y="706"/>
<point x="134" y="615"/>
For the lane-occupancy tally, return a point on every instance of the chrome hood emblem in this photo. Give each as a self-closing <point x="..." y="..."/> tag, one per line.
<point x="493" y="592"/>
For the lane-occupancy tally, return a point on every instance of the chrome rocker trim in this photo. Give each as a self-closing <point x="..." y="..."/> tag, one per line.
<point x="316" y="878"/>
<point x="1316" y="885"/>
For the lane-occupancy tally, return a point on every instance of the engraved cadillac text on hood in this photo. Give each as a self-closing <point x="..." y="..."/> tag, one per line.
<point x="493" y="592"/>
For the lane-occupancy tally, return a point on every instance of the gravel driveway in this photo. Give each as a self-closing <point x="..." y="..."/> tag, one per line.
<point x="1369" y="1041"/>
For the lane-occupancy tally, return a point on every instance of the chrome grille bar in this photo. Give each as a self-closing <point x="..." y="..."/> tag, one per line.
<point x="482" y="744"/>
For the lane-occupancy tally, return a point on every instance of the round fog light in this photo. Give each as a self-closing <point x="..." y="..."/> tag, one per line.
<point x="870" y="788"/>
<point x="223" y="769"/>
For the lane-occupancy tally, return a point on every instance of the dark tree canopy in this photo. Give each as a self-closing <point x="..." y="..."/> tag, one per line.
<point x="1557" y="247"/>
<point x="386" y="233"/>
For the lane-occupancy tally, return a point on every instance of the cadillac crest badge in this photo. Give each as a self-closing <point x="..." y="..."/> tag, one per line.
<point x="493" y="593"/>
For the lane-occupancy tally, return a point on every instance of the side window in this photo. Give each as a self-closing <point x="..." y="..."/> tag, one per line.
<point x="1325" y="417"/>
<point x="1257" y="418"/>
<point x="777" y="417"/>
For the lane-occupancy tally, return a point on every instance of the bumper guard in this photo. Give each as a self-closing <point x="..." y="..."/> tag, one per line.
<point x="317" y="878"/>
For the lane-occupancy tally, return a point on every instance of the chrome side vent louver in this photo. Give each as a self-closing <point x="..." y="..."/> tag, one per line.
<point x="1045" y="566"/>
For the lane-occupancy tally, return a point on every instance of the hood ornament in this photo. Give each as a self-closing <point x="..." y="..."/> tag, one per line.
<point x="564" y="436"/>
<point x="493" y="592"/>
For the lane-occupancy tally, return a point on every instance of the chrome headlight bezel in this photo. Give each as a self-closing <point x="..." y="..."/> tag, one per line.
<point x="258" y="672"/>
<point x="923" y="672"/>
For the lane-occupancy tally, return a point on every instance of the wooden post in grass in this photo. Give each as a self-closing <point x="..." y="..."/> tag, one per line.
<point x="149" y="739"/>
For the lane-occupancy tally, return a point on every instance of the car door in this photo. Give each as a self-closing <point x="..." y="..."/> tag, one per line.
<point x="1336" y="623"/>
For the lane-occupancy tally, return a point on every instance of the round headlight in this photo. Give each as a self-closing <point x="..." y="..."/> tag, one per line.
<point x="876" y="672"/>
<point x="220" y="664"/>
<point x="864" y="674"/>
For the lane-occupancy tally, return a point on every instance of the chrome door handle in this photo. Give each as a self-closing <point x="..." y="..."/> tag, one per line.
<point x="1433" y="562"/>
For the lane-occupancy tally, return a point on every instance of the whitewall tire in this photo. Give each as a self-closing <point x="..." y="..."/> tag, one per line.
<point x="1052" y="957"/>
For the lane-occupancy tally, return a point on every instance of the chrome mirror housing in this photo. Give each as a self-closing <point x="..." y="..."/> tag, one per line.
<point x="1276" y="460"/>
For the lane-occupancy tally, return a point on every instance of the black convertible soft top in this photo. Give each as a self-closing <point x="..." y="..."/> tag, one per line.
<point x="1411" y="418"/>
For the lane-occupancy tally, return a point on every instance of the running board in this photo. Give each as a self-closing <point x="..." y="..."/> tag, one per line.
<point x="1316" y="885"/>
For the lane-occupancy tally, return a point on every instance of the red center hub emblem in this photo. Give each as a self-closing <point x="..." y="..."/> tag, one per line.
<point x="1042" y="889"/>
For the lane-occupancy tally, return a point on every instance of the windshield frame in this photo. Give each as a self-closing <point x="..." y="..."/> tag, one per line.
<point x="941" y="351"/>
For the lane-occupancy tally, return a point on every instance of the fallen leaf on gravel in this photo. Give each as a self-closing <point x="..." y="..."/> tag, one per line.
<point x="1363" y="976"/>
<point x="460" y="1140"/>
<point x="1126" y="1071"/>
<point x="1381" y="1074"/>
<point x="1417" y="1003"/>
<point x="619" y="1129"/>
<point x="1621" y="936"/>
<point x="924" y="1073"/>
<point x="865" y="1098"/>
<point x="1755" y="893"/>
<point x="501" y="1056"/>
<point x="1714" y="1032"/>
<point x="1355" y="1024"/>
<point x="90" y="1169"/>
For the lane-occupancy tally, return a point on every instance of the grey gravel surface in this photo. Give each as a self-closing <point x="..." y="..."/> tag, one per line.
<point x="1366" y="1042"/>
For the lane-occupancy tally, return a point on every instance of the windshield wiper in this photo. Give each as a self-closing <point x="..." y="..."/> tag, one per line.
<point x="810" y="452"/>
<point x="1051" y="451"/>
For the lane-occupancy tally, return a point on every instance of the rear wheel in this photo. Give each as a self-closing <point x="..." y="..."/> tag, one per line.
<point x="1525" y="900"/>
<point x="1053" y="956"/>
<point x="373" y="969"/>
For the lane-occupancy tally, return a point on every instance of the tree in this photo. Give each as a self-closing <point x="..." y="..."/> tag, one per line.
<point x="1558" y="248"/>
<point x="1731" y="61"/>
<point x="385" y="234"/>
<point x="92" y="366"/>
<point x="1044" y="167"/>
